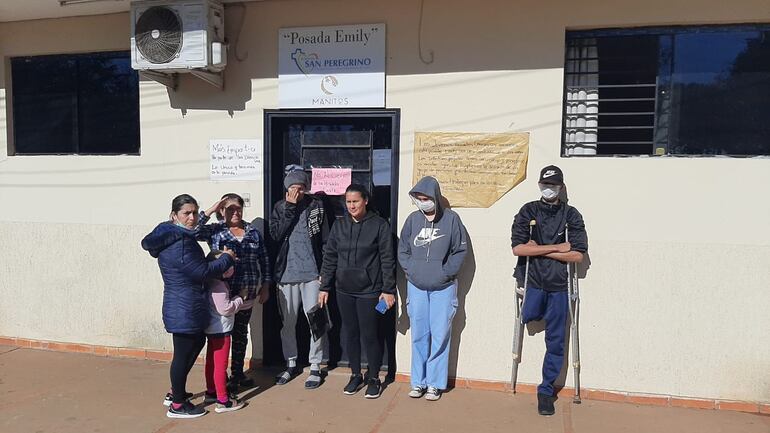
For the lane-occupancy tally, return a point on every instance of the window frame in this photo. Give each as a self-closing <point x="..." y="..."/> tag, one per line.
<point x="661" y="32"/>
<point x="11" y="99"/>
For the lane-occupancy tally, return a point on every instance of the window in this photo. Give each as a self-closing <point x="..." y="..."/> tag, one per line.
<point x="668" y="91"/>
<point x="75" y="104"/>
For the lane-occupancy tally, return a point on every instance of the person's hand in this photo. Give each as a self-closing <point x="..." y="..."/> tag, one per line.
<point x="322" y="298"/>
<point x="563" y="247"/>
<point x="532" y="242"/>
<point x="229" y="252"/>
<point x="216" y="207"/>
<point x="389" y="299"/>
<point x="264" y="293"/>
<point x="292" y="195"/>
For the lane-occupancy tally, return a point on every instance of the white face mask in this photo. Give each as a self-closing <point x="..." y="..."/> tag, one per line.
<point x="550" y="192"/>
<point x="425" y="206"/>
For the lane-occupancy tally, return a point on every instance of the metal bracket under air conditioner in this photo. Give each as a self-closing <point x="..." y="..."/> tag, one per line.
<point x="171" y="80"/>
<point x="168" y="80"/>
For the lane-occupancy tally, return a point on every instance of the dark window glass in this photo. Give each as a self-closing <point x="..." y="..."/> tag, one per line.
<point x="721" y="94"/>
<point x="677" y="90"/>
<point x="75" y="104"/>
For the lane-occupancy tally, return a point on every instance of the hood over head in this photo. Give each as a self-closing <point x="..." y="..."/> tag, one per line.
<point x="429" y="186"/>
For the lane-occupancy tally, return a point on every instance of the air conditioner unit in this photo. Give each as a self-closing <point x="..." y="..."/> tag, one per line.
<point x="178" y="36"/>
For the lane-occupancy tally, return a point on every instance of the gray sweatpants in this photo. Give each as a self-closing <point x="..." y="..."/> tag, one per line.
<point x="289" y="296"/>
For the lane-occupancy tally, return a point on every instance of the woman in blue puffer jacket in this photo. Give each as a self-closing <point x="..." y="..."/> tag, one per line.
<point x="184" y="269"/>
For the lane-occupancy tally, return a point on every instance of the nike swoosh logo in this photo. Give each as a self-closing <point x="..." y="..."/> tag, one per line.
<point x="420" y="241"/>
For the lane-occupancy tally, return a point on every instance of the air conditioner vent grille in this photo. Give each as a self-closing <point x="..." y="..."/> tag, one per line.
<point x="159" y="34"/>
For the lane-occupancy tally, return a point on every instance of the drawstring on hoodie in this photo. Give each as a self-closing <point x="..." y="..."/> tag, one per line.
<point x="358" y="236"/>
<point x="424" y="226"/>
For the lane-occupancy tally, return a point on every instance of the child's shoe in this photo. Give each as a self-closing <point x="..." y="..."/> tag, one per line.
<point x="229" y="406"/>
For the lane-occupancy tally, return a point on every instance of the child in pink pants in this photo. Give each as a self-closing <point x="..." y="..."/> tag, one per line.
<point x="222" y="311"/>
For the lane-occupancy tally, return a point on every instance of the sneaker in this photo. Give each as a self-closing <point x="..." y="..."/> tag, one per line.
<point x="545" y="405"/>
<point x="354" y="385"/>
<point x="417" y="392"/>
<point x="433" y="394"/>
<point x="229" y="406"/>
<point x="210" y="398"/>
<point x="313" y="381"/>
<point x="188" y="410"/>
<point x="168" y="399"/>
<point x="373" y="388"/>
<point x="288" y="375"/>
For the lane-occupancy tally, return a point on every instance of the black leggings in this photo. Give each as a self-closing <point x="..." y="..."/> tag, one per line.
<point x="360" y="319"/>
<point x="187" y="347"/>
<point x="240" y="339"/>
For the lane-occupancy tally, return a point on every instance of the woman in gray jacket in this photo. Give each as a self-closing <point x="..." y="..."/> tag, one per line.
<point x="431" y="251"/>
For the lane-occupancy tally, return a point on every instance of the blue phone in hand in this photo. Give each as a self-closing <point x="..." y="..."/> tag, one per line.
<point x="382" y="306"/>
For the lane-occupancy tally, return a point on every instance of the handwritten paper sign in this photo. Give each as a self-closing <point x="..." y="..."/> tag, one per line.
<point x="236" y="159"/>
<point x="474" y="169"/>
<point x="331" y="181"/>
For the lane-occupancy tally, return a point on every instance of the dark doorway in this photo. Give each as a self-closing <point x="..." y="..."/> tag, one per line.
<point x="366" y="141"/>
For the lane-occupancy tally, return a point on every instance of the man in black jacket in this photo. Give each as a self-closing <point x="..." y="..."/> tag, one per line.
<point x="549" y="252"/>
<point x="299" y="227"/>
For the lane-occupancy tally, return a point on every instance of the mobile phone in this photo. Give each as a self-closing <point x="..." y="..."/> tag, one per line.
<point x="382" y="306"/>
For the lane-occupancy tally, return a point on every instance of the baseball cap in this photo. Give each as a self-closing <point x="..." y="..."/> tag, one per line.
<point x="551" y="174"/>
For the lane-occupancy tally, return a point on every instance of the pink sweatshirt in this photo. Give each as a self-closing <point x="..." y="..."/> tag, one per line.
<point x="222" y="308"/>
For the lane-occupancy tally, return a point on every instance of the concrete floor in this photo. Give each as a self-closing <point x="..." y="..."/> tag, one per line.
<point x="52" y="392"/>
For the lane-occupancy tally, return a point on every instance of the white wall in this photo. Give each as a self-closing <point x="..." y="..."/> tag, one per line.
<point x="675" y="301"/>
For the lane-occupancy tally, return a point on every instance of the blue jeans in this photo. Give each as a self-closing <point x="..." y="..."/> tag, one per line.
<point x="553" y="307"/>
<point x="431" y="313"/>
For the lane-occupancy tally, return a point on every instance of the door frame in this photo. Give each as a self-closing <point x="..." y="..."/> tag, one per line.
<point x="393" y="113"/>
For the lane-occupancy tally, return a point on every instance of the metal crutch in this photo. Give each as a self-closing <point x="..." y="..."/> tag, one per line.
<point x="574" y="310"/>
<point x="518" y="329"/>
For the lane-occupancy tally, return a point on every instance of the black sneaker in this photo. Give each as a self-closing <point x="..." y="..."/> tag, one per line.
<point x="168" y="399"/>
<point x="188" y="410"/>
<point x="356" y="383"/>
<point x="373" y="388"/>
<point x="288" y="375"/>
<point x="545" y="405"/>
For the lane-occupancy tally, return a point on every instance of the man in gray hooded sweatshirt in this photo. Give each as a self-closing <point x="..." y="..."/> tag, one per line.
<point x="431" y="251"/>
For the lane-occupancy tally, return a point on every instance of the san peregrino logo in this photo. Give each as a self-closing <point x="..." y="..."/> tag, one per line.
<point x="305" y="62"/>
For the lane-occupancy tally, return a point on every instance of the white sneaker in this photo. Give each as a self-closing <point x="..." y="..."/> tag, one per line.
<point x="433" y="394"/>
<point x="417" y="392"/>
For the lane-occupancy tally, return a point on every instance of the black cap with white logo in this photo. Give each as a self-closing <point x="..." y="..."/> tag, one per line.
<point x="551" y="174"/>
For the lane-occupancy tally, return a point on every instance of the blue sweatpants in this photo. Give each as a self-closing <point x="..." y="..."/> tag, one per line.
<point x="430" y="314"/>
<point x="553" y="307"/>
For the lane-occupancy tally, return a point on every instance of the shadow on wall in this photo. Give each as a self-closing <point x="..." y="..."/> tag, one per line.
<point x="252" y="36"/>
<point x="194" y="93"/>
<point x="465" y="279"/>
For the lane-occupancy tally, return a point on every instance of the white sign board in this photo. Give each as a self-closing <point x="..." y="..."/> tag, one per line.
<point x="236" y="159"/>
<point x="332" y="67"/>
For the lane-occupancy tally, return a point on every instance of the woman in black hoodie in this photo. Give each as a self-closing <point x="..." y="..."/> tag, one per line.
<point x="359" y="261"/>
